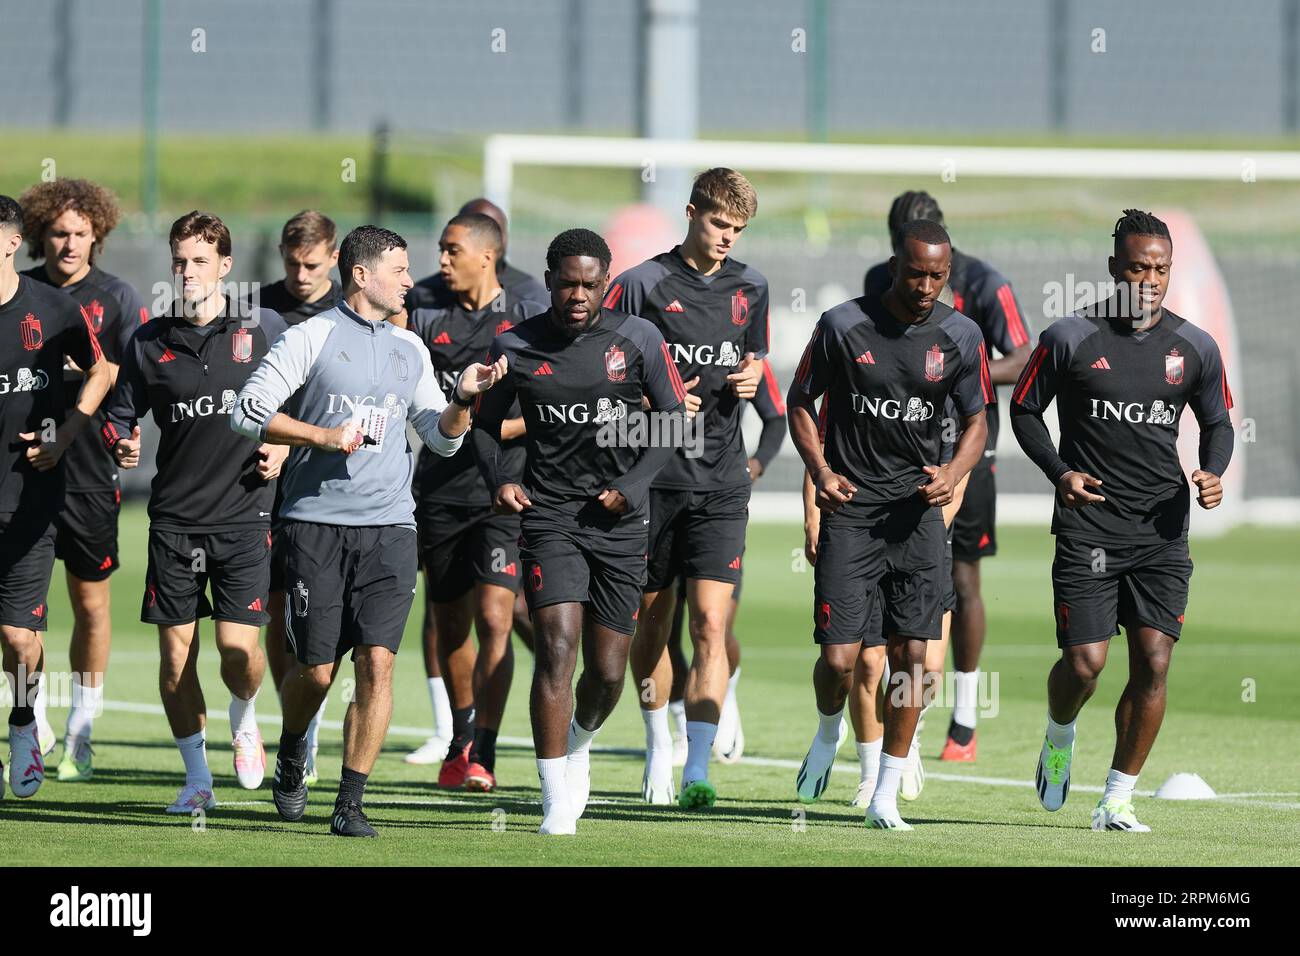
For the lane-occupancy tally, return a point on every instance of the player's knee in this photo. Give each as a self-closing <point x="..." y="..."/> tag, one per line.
<point x="1085" y="668"/>
<point x="839" y="659"/>
<point x="709" y="627"/>
<point x="317" y="678"/>
<point x="1152" y="669"/>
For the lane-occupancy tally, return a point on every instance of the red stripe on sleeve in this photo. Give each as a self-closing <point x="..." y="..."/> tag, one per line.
<point x="769" y="377"/>
<point x="821" y="418"/>
<point x="1015" y="325"/>
<point x="1027" y="376"/>
<point x="986" y="383"/>
<point x="1227" y="392"/>
<point x="805" y="363"/>
<point x="110" y="435"/>
<point x="95" y="350"/>
<point x="673" y="375"/>
<point x="613" y="296"/>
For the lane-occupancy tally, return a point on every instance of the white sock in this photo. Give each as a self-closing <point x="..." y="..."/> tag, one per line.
<point x="732" y="681"/>
<point x="677" y="711"/>
<point x="699" y="745"/>
<point x="1119" y="786"/>
<point x="194" y="752"/>
<point x="441" y="707"/>
<point x="243" y="714"/>
<point x="313" y="728"/>
<point x="87" y="704"/>
<point x="554" y="790"/>
<point x="920" y="725"/>
<point x="40" y="706"/>
<point x="580" y="739"/>
<point x="965" y="689"/>
<point x="657" y="734"/>
<point x="828" y="727"/>
<point x="869" y="757"/>
<point x="888" y="782"/>
<point x="1061" y="735"/>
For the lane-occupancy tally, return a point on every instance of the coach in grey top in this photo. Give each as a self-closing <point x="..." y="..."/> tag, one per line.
<point x="340" y="387"/>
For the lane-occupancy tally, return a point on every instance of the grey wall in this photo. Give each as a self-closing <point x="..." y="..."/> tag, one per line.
<point x="1171" y="67"/>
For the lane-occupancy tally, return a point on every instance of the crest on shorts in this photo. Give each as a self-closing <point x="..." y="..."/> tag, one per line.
<point x="1174" y="368"/>
<point x="400" y="367"/>
<point x="300" y="596"/>
<point x="31" y="329"/>
<point x="934" y="364"/>
<point x="615" y="364"/>
<point x="535" y="578"/>
<point x="824" y="616"/>
<point x="739" y="307"/>
<point x="241" y="345"/>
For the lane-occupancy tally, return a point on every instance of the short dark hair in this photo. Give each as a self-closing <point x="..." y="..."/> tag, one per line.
<point x="1135" y="222"/>
<point x="363" y="246"/>
<point x="923" y="230"/>
<point x="308" y="228"/>
<point x="577" y="242"/>
<point x="11" y="214"/>
<point x="483" y="228"/>
<point x="910" y="206"/>
<point x="202" y="225"/>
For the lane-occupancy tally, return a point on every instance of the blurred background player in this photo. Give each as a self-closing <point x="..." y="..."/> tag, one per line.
<point x="576" y="369"/>
<point x="1121" y="372"/>
<point x="309" y="252"/>
<point x="46" y="329"/>
<point x="470" y="555"/>
<point x="729" y="744"/>
<point x="888" y="365"/>
<point x="210" y="506"/>
<point x="67" y="221"/>
<point x="984" y="295"/>
<point x="432" y="292"/>
<point x="712" y="311"/>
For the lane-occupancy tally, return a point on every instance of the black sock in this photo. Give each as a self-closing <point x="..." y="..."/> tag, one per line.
<point x="292" y="745"/>
<point x="960" y="733"/>
<point x="462" y="729"/>
<point x="21" y="716"/>
<point x="352" y="787"/>
<point x="484" y="750"/>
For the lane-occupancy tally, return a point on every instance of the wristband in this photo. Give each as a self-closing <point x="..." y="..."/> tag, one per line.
<point x="456" y="400"/>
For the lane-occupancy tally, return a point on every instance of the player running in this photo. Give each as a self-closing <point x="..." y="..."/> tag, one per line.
<point x="67" y="223"/>
<point x="44" y="330"/>
<point x="712" y="310"/>
<point x="1121" y="373"/>
<point x="470" y="555"/>
<point x="349" y="381"/>
<point x="308" y="251"/>
<point x="887" y="365"/>
<point x="580" y="372"/>
<point x="983" y="295"/>
<point x="729" y="744"/>
<point x="210" y="504"/>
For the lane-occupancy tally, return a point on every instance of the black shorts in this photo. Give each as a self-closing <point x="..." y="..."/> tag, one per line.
<point x="881" y="573"/>
<point x="346" y="587"/>
<point x="1096" y="588"/>
<point x="461" y="546"/>
<point x="277" y="558"/>
<point x="86" y="533"/>
<point x="974" y="533"/>
<point x="579" y="553"/>
<point x="26" y="565"/>
<point x="237" y="564"/>
<point x="697" y="534"/>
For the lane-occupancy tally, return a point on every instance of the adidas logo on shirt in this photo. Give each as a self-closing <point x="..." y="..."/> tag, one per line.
<point x="343" y="357"/>
<point x="544" y="369"/>
<point x="167" y="356"/>
<point x="865" y="358"/>
<point x="674" y="306"/>
<point x="442" y="339"/>
<point x="1101" y="363"/>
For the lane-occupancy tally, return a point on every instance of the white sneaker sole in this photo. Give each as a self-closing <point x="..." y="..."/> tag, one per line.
<point x="434" y="750"/>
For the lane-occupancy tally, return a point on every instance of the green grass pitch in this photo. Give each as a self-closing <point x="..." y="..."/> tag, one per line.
<point x="1232" y="718"/>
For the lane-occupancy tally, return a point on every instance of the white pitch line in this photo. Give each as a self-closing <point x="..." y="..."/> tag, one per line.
<point x="404" y="731"/>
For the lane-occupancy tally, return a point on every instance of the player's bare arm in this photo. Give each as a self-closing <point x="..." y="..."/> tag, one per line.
<point x="44" y="456"/>
<point x="832" y="490"/>
<point x="475" y="380"/>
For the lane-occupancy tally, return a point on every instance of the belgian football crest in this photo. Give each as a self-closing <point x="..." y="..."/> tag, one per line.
<point x="31" y="330"/>
<point x="505" y="325"/>
<point x="300" y="596"/>
<point x="241" y="345"/>
<point x="94" y="314"/>
<point x="934" y="364"/>
<point x="1174" y="368"/>
<point x="615" y="364"/>
<point x="739" y="307"/>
